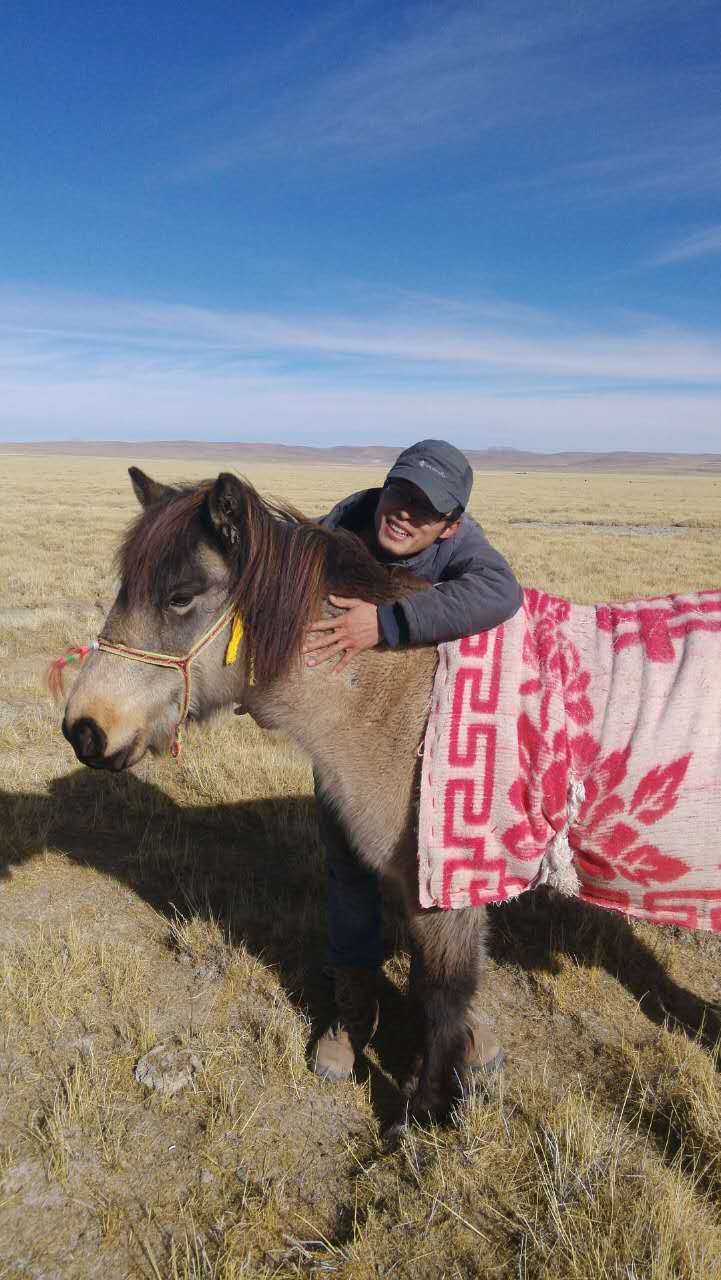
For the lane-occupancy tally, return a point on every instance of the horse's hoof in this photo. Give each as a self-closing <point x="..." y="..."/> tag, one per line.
<point x="426" y="1108"/>
<point x="393" y="1136"/>
<point x="414" y="1110"/>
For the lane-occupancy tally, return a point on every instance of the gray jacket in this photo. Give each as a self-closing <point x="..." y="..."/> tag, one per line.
<point x="474" y="587"/>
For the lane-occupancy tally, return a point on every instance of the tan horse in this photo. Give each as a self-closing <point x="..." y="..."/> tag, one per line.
<point x="200" y="556"/>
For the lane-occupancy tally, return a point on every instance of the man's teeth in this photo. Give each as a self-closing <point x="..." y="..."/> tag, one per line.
<point x="396" y="529"/>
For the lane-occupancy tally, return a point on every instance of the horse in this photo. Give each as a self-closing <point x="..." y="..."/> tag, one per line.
<point x="218" y="587"/>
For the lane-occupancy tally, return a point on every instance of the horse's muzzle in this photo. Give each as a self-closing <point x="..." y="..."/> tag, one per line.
<point x="89" y="742"/>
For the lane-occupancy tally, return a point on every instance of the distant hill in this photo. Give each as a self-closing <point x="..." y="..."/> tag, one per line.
<point x="375" y="455"/>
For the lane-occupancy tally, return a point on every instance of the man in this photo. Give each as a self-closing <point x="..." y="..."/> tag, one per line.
<point x="417" y="520"/>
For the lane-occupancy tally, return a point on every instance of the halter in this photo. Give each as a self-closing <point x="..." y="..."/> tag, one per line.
<point x="180" y="664"/>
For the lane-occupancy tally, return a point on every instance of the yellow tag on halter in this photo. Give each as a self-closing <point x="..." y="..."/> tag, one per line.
<point x="236" y="635"/>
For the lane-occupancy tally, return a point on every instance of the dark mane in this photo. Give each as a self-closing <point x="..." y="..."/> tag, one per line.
<point x="282" y="563"/>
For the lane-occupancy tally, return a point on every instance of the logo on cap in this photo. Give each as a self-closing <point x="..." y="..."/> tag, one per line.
<point x="422" y="463"/>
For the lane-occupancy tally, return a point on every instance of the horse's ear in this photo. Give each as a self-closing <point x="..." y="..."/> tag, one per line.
<point x="146" y="490"/>
<point x="227" y="503"/>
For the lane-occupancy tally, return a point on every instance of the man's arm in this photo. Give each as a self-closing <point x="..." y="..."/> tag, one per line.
<point x="478" y="591"/>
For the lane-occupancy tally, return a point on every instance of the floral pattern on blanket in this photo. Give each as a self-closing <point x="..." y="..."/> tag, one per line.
<point x="622" y="699"/>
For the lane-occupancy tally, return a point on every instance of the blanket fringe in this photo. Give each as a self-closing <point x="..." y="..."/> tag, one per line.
<point x="557" y="868"/>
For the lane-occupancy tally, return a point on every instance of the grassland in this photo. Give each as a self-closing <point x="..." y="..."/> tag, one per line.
<point x="183" y="905"/>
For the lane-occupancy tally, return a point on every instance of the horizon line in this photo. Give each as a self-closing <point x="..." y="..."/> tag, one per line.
<point x="186" y="442"/>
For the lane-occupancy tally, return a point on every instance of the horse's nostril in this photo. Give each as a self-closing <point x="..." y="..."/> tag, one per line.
<point x="88" y="740"/>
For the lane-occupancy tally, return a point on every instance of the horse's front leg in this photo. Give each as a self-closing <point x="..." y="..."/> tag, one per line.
<point x="458" y="1040"/>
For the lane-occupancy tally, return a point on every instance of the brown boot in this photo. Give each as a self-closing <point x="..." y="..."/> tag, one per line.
<point x="356" y="1000"/>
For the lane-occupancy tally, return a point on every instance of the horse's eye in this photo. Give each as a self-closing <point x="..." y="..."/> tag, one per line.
<point x="180" y="600"/>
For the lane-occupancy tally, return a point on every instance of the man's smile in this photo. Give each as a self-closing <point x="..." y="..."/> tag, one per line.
<point x="395" y="530"/>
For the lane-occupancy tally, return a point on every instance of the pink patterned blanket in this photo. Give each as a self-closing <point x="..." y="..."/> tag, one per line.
<point x="580" y="746"/>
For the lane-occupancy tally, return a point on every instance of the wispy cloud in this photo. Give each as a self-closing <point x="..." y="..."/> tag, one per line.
<point x="425" y="84"/>
<point x="506" y="347"/>
<point x="99" y="366"/>
<point x="697" y="245"/>
<point x="648" y="173"/>
<point x="452" y="76"/>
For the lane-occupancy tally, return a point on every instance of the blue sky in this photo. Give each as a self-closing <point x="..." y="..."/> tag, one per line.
<point x="366" y="222"/>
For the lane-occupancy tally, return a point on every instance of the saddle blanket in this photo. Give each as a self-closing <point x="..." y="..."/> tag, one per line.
<point x="579" y="746"/>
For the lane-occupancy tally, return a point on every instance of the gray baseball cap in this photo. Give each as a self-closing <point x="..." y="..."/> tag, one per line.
<point x="440" y="470"/>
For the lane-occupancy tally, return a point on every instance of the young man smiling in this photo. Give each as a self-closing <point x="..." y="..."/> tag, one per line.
<point x="418" y="520"/>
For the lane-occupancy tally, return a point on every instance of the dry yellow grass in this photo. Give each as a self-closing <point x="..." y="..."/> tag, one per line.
<point x="183" y="905"/>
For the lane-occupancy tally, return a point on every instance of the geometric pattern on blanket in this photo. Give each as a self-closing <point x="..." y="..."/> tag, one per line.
<point x="579" y="745"/>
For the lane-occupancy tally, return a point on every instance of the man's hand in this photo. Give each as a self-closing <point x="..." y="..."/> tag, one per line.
<point x="350" y="633"/>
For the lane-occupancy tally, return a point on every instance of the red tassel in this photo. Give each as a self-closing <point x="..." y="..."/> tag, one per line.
<point x="54" y="676"/>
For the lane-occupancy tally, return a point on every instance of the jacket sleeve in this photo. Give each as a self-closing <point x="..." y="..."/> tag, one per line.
<point x="477" y="591"/>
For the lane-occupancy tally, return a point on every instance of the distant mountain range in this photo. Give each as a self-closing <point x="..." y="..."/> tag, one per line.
<point x="374" y="455"/>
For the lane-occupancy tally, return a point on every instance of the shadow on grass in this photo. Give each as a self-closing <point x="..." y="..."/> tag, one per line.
<point x="535" y="928"/>
<point x="256" y="868"/>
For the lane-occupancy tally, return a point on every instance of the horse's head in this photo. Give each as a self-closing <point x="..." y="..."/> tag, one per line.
<point x="197" y="563"/>
<point x="178" y="566"/>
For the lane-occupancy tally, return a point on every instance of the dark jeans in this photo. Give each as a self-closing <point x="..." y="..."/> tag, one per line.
<point x="355" y="914"/>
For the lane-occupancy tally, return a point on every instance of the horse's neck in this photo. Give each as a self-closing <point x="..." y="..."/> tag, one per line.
<point x="362" y="731"/>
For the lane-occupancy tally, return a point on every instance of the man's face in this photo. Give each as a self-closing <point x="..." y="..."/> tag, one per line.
<point x="405" y="521"/>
